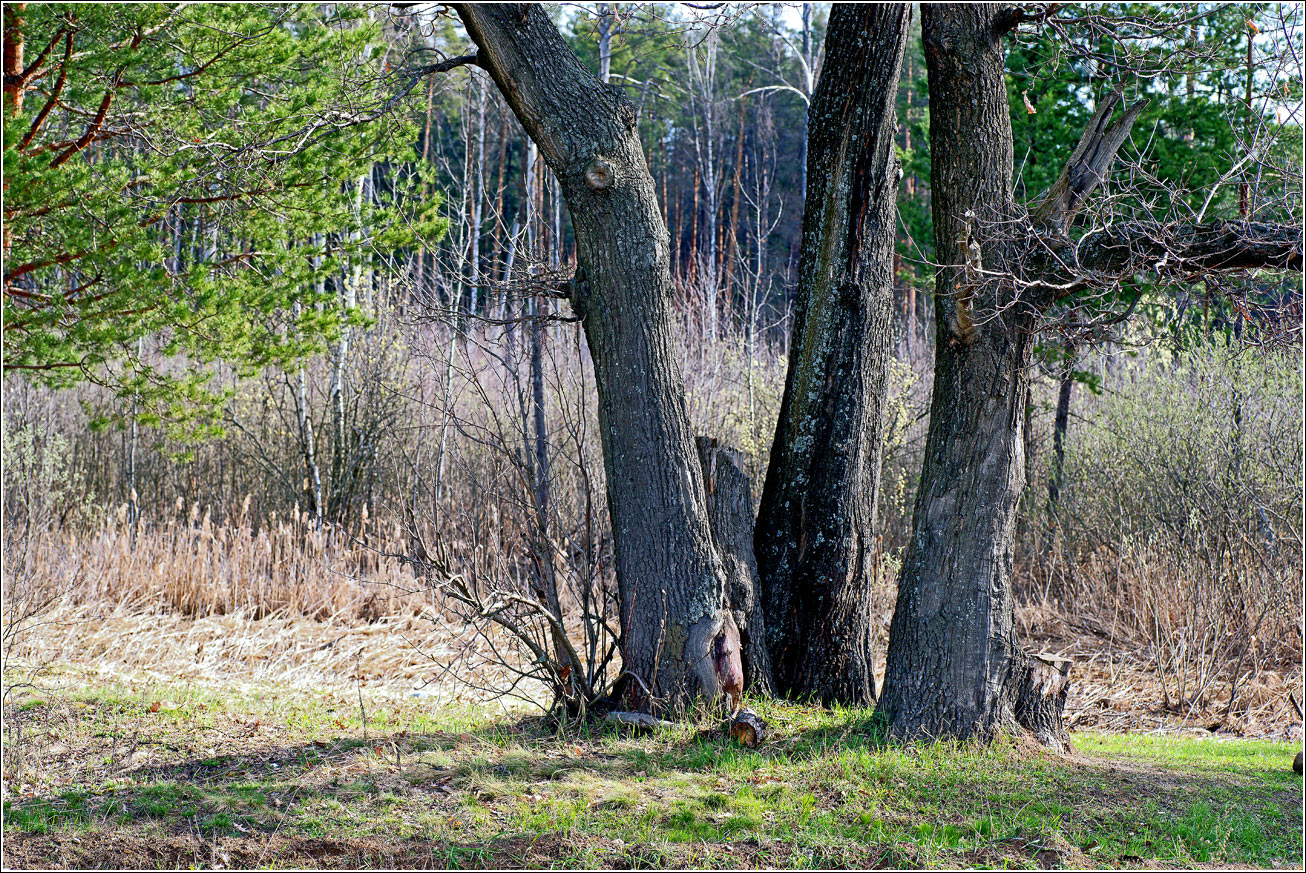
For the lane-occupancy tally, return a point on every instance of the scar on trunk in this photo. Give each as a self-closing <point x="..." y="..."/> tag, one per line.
<point x="726" y="661"/>
<point x="961" y="324"/>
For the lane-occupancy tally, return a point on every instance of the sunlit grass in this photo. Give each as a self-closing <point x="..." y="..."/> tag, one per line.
<point x="824" y="790"/>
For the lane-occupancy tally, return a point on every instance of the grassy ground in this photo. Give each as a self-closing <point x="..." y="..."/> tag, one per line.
<point x="173" y="775"/>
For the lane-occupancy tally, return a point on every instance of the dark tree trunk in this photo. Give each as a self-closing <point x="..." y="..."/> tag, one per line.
<point x="1059" y="427"/>
<point x="954" y="667"/>
<point x="815" y="532"/>
<point x="730" y="511"/>
<point x="671" y="583"/>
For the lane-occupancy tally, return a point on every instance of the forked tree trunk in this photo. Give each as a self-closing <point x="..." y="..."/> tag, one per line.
<point x="815" y="531"/>
<point x="671" y="583"/>
<point x="954" y="665"/>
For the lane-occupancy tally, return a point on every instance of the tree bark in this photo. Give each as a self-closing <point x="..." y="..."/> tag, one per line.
<point x="815" y="530"/>
<point x="13" y="57"/>
<point x="671" y="583"/>
<point x="730" y="512"/>
<point x="954" y="667"/>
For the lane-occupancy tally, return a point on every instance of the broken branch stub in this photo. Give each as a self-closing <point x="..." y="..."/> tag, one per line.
<point x="1088" y="166"/>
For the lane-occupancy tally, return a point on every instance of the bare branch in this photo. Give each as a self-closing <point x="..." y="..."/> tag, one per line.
<point x="1089" y="164"/>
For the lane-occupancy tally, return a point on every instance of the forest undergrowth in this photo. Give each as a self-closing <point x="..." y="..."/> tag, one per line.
<point x="1165" y="568"/>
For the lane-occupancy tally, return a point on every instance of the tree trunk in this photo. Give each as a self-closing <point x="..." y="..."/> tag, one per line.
<point x="815" y="531"/>
<point x="671" y="583"/>
<point x="1059" y="426"/>
<point x="13" y="59"/>
<point x="730" y="512"/>
<point x="477" y="184"/>
<point x="954" y="667"/>
<point x="607" y="23"/>
<point x="809" y="60"/>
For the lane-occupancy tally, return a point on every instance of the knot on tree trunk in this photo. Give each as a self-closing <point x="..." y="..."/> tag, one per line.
<point x="599" y="174"/>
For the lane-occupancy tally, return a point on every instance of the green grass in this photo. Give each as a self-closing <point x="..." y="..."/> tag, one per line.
<point x="277" y="771"/>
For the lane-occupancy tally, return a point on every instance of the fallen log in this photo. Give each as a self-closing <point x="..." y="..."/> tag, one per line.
<point x="641" y="721"/>
<point x="748" y="728"/>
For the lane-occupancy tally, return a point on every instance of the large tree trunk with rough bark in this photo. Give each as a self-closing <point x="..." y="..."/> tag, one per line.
<point x="671" y="584"/>
<point x="954" y="665"/>
<point x="955" y="668"/>
<point x="815" y="532"/>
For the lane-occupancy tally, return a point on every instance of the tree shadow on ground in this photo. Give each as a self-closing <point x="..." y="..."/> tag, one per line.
<point x="265" y="804"/>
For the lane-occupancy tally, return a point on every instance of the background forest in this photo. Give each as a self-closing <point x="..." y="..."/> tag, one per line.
<point x="320" y="404"/>
<point x="294" y="320"/>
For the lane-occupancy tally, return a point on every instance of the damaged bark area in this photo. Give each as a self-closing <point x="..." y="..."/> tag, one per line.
<point x="730" y="514"/>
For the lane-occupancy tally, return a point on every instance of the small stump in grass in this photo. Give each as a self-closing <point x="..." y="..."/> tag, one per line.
<point x="748" y="728"/>
<point x="1296" y="764"/>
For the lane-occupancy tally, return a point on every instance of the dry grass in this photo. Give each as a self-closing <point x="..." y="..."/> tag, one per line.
<point x="407" y="654"/>
<point x="286" y="604"/>
<point x="184" y="599"/>
<point x="233" y="607"/>
<point x="188" y="565"/>
<point x="1117" y="687"/>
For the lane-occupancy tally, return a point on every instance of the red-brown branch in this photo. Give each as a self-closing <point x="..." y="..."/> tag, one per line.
<point x="36" y="63"/>
<point x="98" y="121"/>
<point x="89" y="136"/>
<point x="54" y="95"/>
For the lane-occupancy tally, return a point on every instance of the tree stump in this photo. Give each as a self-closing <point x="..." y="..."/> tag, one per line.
<point x="1041" y="693"/>
<point x="730" y="515"/>
<point x="1296" y="764"/>
<point x="748" y="728"/>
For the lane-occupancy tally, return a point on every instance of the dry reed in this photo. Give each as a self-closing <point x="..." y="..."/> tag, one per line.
<point x="188" y="565"/>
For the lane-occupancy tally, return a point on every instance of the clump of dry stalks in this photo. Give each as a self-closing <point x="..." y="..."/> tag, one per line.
<point x="287" y="603"/>
<point x="191" y="566"/>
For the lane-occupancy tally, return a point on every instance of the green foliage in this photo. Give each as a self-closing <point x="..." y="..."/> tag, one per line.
<point x="1187" y="147"/>
<point x="1191" y="74"/>
<point x="181" y="195"/>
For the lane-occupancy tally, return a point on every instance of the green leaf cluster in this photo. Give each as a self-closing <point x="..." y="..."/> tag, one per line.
<point x="183" y="193"/>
